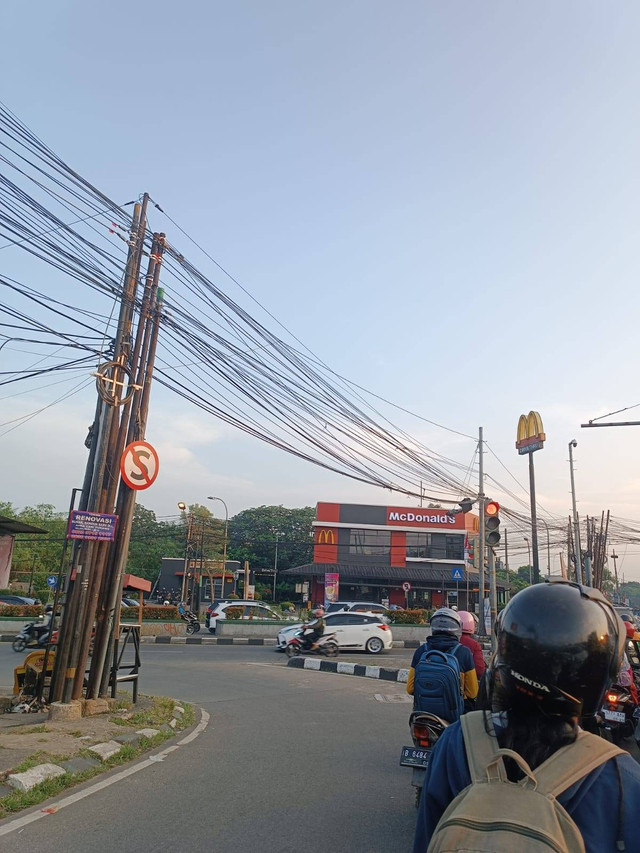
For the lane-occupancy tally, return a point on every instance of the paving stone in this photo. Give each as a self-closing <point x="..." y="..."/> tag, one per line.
<point x="148" y="732"/>
<point x="178" y="709"/>
<point x="173" y="723"/>
<point x="79" y="764"/>
<point x="106" y="750"/>
<point x="165" y="728"/>
<point x="92" y="707"/>
<point x="30" y="778"/>
<point x="130" y="738"/>
<point x="5" y="790"/>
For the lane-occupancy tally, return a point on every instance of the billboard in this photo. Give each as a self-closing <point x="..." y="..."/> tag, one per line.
<point x="99" y="526"/>
<point x="331" y="587"/>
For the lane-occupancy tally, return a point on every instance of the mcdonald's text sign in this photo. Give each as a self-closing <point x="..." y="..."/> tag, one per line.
<point x="531" y="435"/>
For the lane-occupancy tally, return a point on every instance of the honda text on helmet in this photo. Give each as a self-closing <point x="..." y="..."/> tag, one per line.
<point x="559" y="647"/>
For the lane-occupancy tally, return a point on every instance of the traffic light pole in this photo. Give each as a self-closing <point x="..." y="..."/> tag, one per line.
<point x="481" y="545"/>
<point x="493" y="589"/>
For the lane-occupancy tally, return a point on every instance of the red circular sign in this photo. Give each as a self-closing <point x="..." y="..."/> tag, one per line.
<point x="139" y="465"/>
<point x="406" y="586"/>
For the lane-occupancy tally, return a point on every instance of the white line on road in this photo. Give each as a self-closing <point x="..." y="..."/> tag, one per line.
<point x="21" y="822"/>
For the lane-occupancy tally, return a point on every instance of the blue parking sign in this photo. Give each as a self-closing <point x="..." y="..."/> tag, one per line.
<point x="457" y="574"/>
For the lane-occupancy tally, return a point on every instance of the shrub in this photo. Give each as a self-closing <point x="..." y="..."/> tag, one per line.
<point x="234" y="612"/>
<point x="28" y="610"/>
<point x="151" y="611"/>
<point x="285" y="606"/>
<point x="409" y="617"/>
<point x="233" y="597"/>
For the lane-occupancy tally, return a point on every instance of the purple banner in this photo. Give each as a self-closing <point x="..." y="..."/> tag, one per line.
<point x="92" y="525"/>
<point x="331" y="587"/>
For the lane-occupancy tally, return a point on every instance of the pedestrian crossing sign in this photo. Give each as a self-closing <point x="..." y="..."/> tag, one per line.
<point x="457" y="574"/>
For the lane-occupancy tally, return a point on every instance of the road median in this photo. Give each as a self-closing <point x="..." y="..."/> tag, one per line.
<point x="343" y="668"/>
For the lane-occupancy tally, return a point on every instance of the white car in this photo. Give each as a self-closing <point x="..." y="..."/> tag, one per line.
<point x="364" y="631"/>
<point x="250" y="610"/>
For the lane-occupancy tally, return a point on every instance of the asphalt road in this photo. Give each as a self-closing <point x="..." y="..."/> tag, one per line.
<point x="291" y="759"/>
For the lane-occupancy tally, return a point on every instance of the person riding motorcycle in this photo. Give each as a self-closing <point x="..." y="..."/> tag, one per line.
<point x="313" y="630"/>
<point x="468" y="629"/>
<point x="41" y="629"/>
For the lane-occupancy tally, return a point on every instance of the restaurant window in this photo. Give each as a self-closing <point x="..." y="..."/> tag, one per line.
<point x="435" y="546"/>
<point x="371" y="543"/>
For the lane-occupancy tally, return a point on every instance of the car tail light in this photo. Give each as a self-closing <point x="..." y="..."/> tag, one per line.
<point x="612" y="698"/>
<point x="384" y="627"/>
<point x="421" y="734"/>
<point x="213" y="615"/>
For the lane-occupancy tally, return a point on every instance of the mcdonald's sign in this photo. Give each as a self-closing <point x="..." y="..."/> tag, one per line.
<point x="530" y="433"/>
<point x="326" y="537"/>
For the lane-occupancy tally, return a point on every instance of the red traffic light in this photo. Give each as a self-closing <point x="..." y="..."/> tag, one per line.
<point x="491" y="508"/>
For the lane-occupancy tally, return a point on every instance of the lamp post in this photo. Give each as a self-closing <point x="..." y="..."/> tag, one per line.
<point x="526" y="539"/>
<point x="224" y="546"/>
<point x="275" y="570"/>
<point x="576" y="524"/>
<point x="183" y="593"/>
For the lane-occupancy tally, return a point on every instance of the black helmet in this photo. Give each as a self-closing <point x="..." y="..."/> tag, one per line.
<point x="48" y="608"/>
<point x="560" y="646"/>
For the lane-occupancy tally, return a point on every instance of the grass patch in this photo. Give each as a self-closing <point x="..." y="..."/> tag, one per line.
<point x="160" y="711"/>
<point x="31" y="730"/>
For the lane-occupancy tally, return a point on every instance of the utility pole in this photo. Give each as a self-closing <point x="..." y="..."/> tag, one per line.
<point x="614" y="557"/>
<point x="506" y="565"/>
<point x="493" y="591"/>
<point x="576" y="524"/>
<point x="481" y="544"/>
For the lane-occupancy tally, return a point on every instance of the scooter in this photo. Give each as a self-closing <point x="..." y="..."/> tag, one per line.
<point x="193" y="625"/>
<point x="425" y="730"/>
<point x="325" y="646"/>
<point x="618" y="718"/>
<point x="29" y="638"/>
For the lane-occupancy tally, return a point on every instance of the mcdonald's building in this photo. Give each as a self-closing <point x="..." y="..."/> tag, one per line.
<point x="374" y="550"/>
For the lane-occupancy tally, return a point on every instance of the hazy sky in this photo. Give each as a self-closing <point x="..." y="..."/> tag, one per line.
<point x="439" y="199"/>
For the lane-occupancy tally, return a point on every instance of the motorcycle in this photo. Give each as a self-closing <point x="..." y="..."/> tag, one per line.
<point x="425" y="730"/>
<point x="619" y="715"/>
<point x="193" y="625"/>
<point x="325" y="646"/>
<point x="30" y="638"/>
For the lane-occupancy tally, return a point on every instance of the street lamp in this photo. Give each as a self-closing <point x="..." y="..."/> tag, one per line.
<point x="183" y="592"/>
<point x="529" y="552"/>
<point x="224" y="547"/>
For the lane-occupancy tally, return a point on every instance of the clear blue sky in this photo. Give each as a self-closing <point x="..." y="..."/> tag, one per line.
<point x="425" y="193"/>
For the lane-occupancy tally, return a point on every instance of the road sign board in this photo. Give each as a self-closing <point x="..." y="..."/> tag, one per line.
<point x="139" y="465"/>
<point x="457" y="574"/>
<point x="99" y="526"/>
<point x="406" y="586"/>
<point x="52" y="580"/>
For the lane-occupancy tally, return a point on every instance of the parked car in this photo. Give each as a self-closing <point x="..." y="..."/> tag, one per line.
<point x="250" y="610"/>
<point x="17" y="599"/>
<point x="625" y="613"/>
<point x="364" y="631"/>
<point x="356" y="607"/>
<point x="129" y="602"/>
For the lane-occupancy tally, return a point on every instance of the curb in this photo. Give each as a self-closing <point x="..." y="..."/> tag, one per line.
<point x="210" y="641"/>
<point x="381" y="672"/>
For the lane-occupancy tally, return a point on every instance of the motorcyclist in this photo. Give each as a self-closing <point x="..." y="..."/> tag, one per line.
<point x="468" y="629"/>
<point x="42" y="628"/>
<point x="313" y="630"/>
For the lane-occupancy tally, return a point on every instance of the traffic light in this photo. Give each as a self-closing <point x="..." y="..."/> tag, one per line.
<point x="491" y="523"/>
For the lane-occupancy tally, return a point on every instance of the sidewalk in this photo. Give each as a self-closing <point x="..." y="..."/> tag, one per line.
<point x="80" y="748"/>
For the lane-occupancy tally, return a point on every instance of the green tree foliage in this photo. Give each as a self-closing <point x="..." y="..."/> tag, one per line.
<point x="151" y="540"/>
<point x="631" y="590"/>
<point x="35" y="556"/>
<point x="253" y="534"/>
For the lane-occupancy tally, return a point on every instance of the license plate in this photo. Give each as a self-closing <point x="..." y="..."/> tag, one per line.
<point x="415" y="757"/>
<point x="614" y="716"/>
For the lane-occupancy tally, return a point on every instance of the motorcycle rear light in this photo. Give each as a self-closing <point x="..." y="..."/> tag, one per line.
<point x="612" y="698"/>
<point x="421" y="733"/>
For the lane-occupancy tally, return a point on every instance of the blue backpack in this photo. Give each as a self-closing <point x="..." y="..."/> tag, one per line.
<point x="437" y="686"/>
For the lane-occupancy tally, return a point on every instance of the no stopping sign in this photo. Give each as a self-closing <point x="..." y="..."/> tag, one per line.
<point x="139" y="465"/>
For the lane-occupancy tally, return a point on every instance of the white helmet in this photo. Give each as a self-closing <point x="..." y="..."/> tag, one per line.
<point x="446" y="621"/>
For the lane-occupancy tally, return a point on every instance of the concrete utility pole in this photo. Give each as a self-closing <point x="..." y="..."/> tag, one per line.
<point x="576" y="524"/>
<point x="481" y="544"/>
<point x="506" y="566"/>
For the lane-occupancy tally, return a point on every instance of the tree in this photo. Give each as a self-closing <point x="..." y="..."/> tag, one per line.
<point x="151" y="540"/>
<point x="253" y="534"/>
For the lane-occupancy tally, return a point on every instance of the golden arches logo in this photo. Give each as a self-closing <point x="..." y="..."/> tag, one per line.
<point x="530" y="431"/>
<point x="326" y="537"/>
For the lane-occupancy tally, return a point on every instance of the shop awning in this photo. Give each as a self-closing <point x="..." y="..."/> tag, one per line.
<point x="357" y="572"/>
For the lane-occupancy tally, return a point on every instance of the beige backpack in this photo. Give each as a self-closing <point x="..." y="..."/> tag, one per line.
<point x="494" y="815"/>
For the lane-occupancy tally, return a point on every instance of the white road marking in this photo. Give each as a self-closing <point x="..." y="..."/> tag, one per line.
<point x="393" y="697"/>
<point x="21" y="822"/>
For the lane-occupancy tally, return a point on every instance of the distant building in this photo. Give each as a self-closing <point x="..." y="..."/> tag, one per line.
<point x="374" y="550"/>
<point x="8" y="528"/>
<point x="172" y="572"/>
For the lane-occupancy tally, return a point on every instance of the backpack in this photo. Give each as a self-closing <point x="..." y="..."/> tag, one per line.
<point x="494" y="815"/>
<point x="437" y="686"/>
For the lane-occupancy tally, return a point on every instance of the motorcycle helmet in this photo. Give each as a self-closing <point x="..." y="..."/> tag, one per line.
<point x="48" y="608"/>
<point x="318" y="613"/>
<point x="446" y="621"/>
<point x="631" y="631"/>
<point x="559" y="646"/>
<point x="468" y="622"/>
